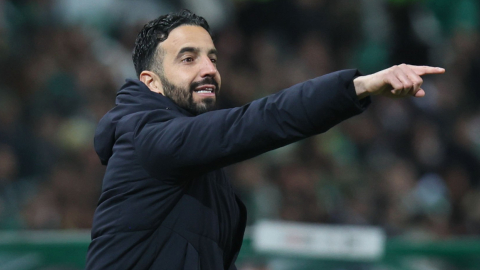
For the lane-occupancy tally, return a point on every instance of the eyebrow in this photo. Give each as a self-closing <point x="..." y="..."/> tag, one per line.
<point x="213" y="51"/>
<point x="187" y="49"/>
<point x="195" y="50"/>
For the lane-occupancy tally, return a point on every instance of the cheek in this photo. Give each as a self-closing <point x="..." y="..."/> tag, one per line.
<point x="184" y="82"/>
<point x="181" y="77"/>
<point x="219" y="81"/>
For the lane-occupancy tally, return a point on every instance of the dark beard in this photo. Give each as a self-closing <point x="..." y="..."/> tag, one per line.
<point x="184" y="97"/>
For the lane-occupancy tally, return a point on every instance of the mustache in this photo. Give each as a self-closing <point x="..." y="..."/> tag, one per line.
<point x="207" y="80"/>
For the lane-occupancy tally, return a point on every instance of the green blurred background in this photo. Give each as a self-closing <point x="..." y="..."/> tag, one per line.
<point x="410" y="167"/>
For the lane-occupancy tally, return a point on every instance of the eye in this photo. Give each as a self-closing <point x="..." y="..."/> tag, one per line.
<point x="213" y="60"/>
<point x="187" y="60"/>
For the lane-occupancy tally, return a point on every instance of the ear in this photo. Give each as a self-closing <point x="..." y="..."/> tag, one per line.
<point x="152" y="81"/>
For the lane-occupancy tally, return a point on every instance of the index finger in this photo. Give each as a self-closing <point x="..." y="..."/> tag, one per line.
<point x="423" y="70"/>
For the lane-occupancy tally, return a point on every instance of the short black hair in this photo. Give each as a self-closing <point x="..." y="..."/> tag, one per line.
<point x="157" y="31"/>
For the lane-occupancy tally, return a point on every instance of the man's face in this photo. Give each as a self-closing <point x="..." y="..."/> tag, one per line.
<point x="190" y="76"/>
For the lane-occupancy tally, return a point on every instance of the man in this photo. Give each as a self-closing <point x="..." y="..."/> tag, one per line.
<point x="166" y="202"/>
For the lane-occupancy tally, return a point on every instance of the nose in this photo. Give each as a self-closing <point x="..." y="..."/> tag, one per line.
<point x="209" y="69"/>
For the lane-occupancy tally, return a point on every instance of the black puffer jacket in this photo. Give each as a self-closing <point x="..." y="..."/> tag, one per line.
<point x="166" y="203"/>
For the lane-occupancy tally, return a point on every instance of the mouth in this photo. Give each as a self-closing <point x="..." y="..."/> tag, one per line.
<point x="205" y="90"/>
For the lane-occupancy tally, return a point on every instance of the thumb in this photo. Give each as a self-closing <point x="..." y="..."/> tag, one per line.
<point x="419" y="93"/>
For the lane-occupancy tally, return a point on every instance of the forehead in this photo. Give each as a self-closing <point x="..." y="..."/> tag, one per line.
<point x="187" y="36"/>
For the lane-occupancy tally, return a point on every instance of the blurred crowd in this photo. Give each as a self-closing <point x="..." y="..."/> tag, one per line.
<point x="410" y="166"/>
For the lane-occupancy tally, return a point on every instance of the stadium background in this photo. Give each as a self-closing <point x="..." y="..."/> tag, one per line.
<point x="410" y="167"/>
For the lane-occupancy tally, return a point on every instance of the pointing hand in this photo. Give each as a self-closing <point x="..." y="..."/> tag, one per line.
<point x="397" y="81"/>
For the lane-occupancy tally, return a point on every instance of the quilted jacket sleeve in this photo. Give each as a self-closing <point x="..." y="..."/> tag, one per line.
<point x="188" y="146"/>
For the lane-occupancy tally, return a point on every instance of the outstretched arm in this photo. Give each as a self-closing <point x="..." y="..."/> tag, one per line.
<point x="193" y="145"/>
